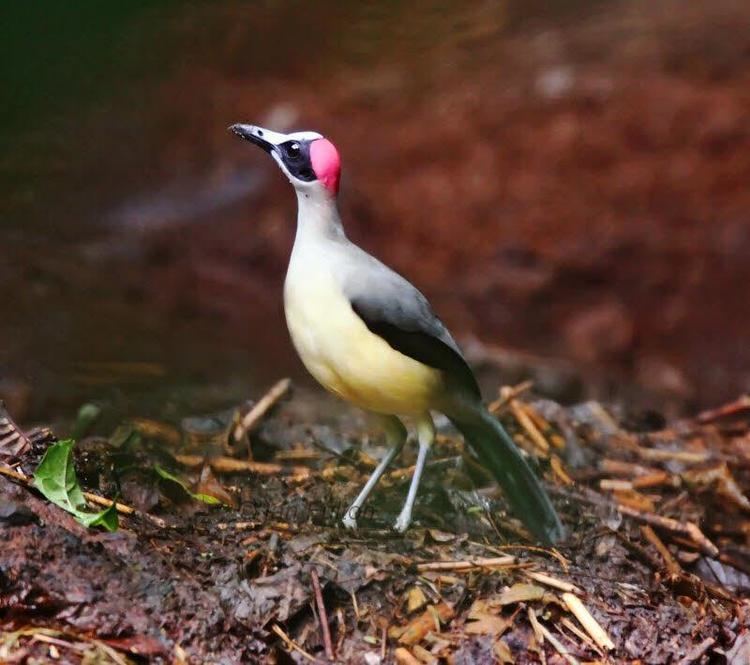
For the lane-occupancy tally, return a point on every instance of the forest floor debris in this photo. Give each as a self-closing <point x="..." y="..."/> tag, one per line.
<point x="657" y="567"/>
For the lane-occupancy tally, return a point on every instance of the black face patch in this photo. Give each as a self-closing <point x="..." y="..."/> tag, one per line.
<point x="296" y="157"/>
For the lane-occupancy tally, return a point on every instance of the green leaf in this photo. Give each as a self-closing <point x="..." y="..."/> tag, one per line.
<point x="106" y="518"/>
<point x="167" y="475"/>
<point x="55" y="477"/>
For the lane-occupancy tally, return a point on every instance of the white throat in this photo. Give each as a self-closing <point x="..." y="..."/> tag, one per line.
<point x="317" y="217"/>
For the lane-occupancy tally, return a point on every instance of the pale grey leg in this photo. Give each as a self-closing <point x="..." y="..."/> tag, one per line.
<point x="425" y="436"/>
<point x="395" y="433"/>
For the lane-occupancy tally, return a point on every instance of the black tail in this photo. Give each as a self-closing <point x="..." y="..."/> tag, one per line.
<point x="527" y="498"/>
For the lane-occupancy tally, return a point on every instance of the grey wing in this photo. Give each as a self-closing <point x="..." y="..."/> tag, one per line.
<point x="394" y="309"/>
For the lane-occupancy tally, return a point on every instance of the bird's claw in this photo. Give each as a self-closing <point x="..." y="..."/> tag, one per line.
<point x="402" y="523"/>
<point x="350" y="519"/>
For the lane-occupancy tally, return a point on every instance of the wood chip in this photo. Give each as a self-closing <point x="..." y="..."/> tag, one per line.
<point x="656" y="479"/>
<point x="403" y="656"/>
<point x="619" y="468"/>
<point x="418" y="627"/>
<point x="610" y="485"/>
<point x="687" y="456"/>
<point x="634" y="500"/>
<point x="520" y="593"/>
<point x="590" y="625"/>
<point x="524" y="420"/>
<point x="559" y="470"/>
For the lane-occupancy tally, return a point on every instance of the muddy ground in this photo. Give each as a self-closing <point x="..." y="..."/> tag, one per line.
<point x="658" y="551"/>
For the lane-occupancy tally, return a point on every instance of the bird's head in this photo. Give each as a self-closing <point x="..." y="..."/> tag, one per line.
<point x="310" y="161"/>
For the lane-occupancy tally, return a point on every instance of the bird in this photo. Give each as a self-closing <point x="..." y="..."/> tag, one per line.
<point x="369" y="336"/>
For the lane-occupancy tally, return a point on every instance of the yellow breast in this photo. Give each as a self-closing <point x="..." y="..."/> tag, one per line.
<point x="345" y="357"/>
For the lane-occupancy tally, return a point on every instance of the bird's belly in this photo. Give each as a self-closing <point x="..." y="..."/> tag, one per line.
<point x="339" y="350"/>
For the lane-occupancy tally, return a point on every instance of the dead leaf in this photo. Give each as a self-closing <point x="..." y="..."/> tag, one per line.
<point x="441" y="536"/>
<point x="484" y="623"/>
<point x="209" y="485"/>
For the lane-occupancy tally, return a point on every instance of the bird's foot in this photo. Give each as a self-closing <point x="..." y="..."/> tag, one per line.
<point x="350" y="518"/>
<point x="402" y="522"/>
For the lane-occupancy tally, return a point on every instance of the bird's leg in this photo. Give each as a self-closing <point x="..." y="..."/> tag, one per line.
<point x="425" y="437"/>
<point x="395" y="433"/>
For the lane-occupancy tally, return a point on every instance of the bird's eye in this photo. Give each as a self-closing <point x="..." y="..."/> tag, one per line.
<point x="293" y="150"/>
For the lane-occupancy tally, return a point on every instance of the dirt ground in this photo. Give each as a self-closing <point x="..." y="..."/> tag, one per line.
<point x="658" y="553"/>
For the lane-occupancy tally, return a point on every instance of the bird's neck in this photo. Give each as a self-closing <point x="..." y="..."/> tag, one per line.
<point x="317" y="218"/>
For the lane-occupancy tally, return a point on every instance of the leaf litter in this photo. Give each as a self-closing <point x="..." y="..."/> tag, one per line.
<point x="239" y="560"/>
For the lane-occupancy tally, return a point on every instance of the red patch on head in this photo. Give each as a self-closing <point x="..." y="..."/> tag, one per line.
<point x="326" y="163"/>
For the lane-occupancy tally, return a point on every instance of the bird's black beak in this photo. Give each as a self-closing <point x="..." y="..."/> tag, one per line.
<point x="254" y="135"/>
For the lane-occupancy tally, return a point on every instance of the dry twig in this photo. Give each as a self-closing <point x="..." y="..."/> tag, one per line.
<point x="559" y="646"/>
<point x="470" y="564"/>
<point x="232" y="465"/>
<point x="508" y="393"/>
<point x="553" y="582"/>
<point x="292" y="644"/>
<point x="263" y="406"/>
<point x="322" y="616"/>
<point x="739" y="407"/>
<point x="673" y="568"/>
<point x="581" y="635"/>
<point x="687" y="529"/>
